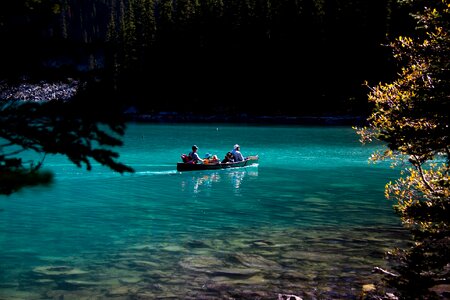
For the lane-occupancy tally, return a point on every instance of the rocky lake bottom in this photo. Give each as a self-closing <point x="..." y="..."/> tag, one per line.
<point x="255" y="264"/>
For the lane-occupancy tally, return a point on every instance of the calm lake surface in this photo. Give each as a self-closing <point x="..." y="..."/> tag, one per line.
<point x="311" y="220"/>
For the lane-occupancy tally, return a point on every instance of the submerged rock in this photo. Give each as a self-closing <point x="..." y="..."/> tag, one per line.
<point x="288" y="297"/>
<point x="79" y="283"/>
<point x="204" y="264"/>
<point x="256" y="261"/>
<point x="58" y="271"/>
<point x="235" y="272"/>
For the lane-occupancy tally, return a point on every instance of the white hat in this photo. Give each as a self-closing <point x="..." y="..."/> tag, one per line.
<point x="236" y="146"/>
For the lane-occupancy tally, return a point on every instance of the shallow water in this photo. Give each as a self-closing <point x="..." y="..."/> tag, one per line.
<point x="311" y="220"/>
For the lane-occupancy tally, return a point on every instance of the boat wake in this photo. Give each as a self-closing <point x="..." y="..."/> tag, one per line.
<point x="167" y="172"/>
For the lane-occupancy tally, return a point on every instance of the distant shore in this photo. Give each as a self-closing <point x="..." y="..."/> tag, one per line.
<point x="177" y="117"/>
<point x="65" y="90"/>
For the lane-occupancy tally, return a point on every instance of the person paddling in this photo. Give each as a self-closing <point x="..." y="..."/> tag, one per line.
<point x="195" y="158"/>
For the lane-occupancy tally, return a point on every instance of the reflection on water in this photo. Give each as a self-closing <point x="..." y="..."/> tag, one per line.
<point x="202" y="181"/>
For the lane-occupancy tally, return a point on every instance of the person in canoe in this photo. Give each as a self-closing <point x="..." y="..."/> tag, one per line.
<point x="229" y="158"/>
<point x="193" y="156"/>
<point x="237" y="153"/>
<point x="210" y="159"/>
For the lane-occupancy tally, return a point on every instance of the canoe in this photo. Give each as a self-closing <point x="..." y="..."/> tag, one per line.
<point x="251" y="160"/>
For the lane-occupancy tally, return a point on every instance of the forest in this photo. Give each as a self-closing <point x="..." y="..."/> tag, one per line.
<point x="298" y="57"/>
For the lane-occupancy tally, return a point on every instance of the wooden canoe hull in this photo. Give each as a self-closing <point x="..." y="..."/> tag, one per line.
<point x="199" y="167"/>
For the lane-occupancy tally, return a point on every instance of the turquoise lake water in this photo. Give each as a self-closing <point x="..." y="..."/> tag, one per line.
<point x="310" y="219"/>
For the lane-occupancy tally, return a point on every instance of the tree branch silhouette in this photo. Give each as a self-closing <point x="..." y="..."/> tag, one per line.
<point x="77" y="128"/>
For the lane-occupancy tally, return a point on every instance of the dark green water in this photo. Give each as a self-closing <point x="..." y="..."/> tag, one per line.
<point x="311" y="220"/>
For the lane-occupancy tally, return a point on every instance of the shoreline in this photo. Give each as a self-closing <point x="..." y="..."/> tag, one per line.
<point x="177" y="117"/>
<point x="67" y="89"/>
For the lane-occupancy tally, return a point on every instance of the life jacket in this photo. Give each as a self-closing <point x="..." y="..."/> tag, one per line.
<point x="185" y="158"/>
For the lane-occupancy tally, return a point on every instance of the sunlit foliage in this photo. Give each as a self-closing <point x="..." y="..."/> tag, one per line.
<point x="411" y="115"/>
